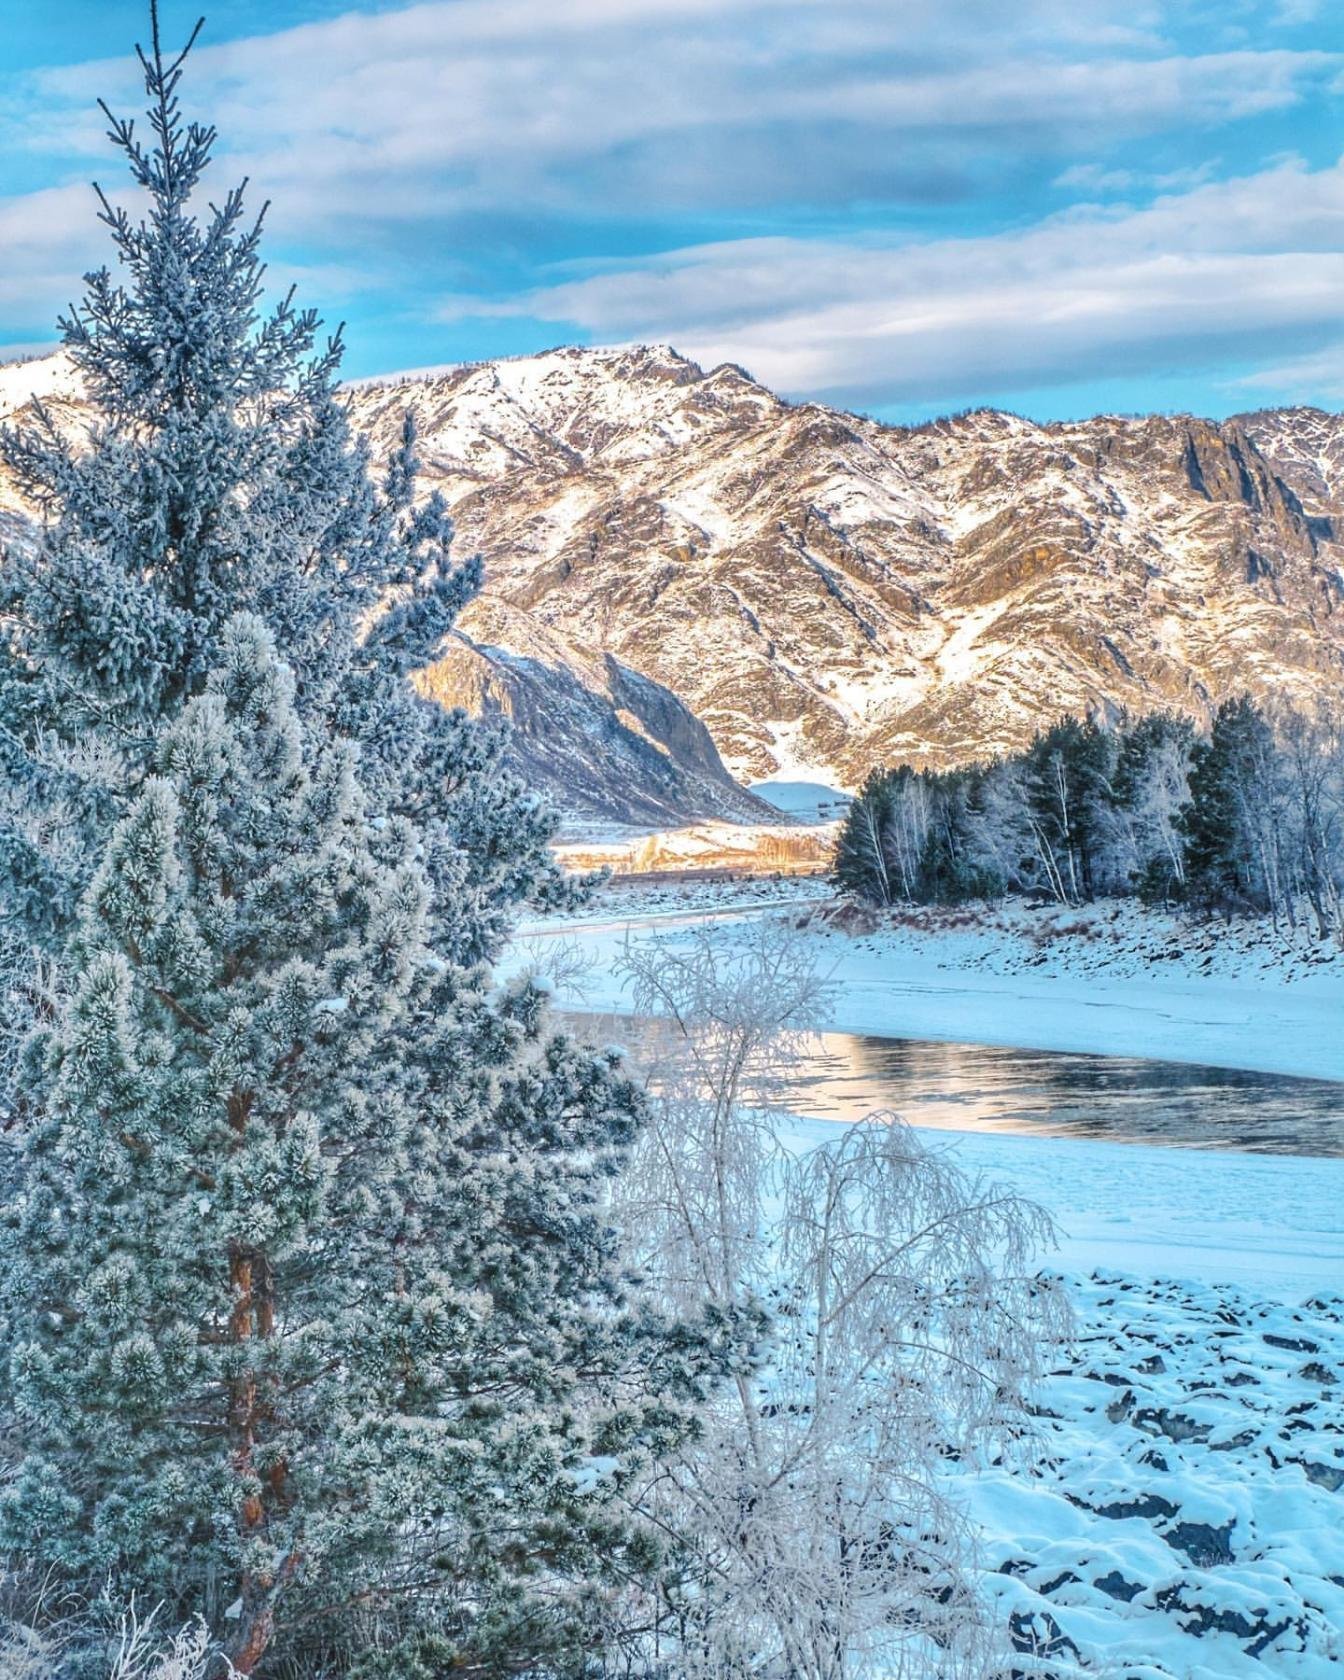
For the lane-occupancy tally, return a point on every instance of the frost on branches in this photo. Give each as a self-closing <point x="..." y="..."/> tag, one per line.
<point x="1248" y="818"/>
<point x="221" y="476"/>
<point x="310" y="1307"/>
<point x="905" y="1321"/>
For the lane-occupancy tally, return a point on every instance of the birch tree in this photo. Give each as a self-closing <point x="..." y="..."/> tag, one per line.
<point x="902" y="1318"/>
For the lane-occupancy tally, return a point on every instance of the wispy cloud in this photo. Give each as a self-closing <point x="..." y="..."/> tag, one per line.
<point x="1321" y="373"/>
<point x="756" y="179"/>
<point x="1208" y="276"/>
<point x="1095" y="178"/>
<point x="716" y="103"/>
<point x="49" y="239"/>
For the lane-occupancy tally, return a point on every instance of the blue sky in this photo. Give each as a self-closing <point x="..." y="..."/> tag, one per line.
<point x="905" y="206"/>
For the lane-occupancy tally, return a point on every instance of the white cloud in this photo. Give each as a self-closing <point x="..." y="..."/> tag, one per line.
<point x="1321" y="373"/>
<point x="440" y="108"/>
<point x="380" y="135"/>
<point x="1221" y="273"/>
<point x="1096" y="178"/>
<point x="49" y="240"/>
<point x="1292" y="12"/>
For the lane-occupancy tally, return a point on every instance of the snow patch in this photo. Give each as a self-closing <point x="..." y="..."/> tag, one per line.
<point x="809" y="802"/>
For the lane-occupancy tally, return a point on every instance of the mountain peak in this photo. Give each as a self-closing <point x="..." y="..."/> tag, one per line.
<point x="826" y="593"/>
<point x="43" y="378"/>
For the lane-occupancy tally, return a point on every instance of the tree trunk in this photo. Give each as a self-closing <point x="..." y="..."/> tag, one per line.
<point x="253" y="1319"/>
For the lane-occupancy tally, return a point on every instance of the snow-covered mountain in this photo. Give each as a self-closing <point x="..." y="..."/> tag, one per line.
<point x="664" y="545"/>
<point x="609" y="744"/>
<point x="825" y="592"/>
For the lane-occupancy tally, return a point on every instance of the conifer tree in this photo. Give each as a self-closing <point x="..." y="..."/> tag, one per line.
<point x="220" y="475"/>
<point x="311" y="1322"/>
<point x="310" y="1305"/>
<point x="1228" y="823"/>
<point x="863" y="863"/>
<point x="1068" y="768"/>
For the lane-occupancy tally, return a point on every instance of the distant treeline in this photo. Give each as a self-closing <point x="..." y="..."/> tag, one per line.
<point x="1246" y="817"/>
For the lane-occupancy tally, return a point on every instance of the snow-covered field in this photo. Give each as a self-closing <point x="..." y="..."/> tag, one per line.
<point x="1183" y="1517"/>
<point x="1113" y="980"/>
<point x="1182" y="1514"/>
<point x="804" y="801"/>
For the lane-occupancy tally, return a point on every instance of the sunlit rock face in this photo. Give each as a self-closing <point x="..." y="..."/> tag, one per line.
<point x="607" y="743"/>
<point x="822" y="592"/>
<point x="825" y="592"/>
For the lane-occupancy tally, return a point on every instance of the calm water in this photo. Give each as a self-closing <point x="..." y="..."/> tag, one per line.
<point x="976" y="1088"/>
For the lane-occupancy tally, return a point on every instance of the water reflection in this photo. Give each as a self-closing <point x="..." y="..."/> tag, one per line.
<point x="978" y="1088"/>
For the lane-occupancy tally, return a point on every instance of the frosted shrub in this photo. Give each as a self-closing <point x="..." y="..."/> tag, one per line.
<point x="26" y="1654"/>
<point x="140" y="1652"/>
<point x="906" y="1317"/>
<point x="145" y="1653"/>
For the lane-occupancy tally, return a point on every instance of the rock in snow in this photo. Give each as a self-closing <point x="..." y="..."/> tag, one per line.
<point x="1181" y="1517"/>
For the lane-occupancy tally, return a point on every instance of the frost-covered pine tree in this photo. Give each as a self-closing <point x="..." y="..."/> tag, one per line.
<point x="220" y="475"/>
<point x="314" y="1323"/>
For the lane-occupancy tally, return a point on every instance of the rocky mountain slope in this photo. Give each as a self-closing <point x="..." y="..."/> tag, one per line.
<point x="668" y="548"/>
<point x="825" y="592"/>
<point x="607" y="743"/>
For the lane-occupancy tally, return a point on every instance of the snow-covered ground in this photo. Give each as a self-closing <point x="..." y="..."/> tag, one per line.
<point x="1183" y="1519"/>
<point x="1115" y="980"/>
<point x="1183" y="1515"/>
<point x="1269" y="1224"/>
<point x="804" y="801"/>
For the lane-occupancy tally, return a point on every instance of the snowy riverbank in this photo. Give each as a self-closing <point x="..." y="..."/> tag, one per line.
<point x="1114" y="979"/>
<point x="1181" y="1519"/>
<point x="1272" y="1225"/>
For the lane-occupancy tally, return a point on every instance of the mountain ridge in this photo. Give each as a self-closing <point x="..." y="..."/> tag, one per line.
<point x="825" y="591"/>
<point x="822" y="592"/>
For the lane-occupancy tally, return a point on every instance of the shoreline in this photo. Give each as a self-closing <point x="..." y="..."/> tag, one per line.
<point x="1012" y="979"/>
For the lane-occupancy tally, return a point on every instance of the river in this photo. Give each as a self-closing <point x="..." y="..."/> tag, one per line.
<point x="980" y="1088"/>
